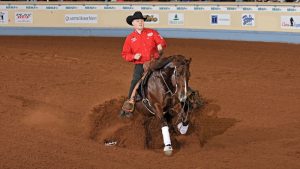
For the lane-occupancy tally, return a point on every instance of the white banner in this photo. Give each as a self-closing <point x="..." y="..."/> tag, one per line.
<point x="248" y="19"/>
<point x="3" y="17"/>
<point x="220" y="19"/>
<point x="23" y="17"/>
<point x="81" y="18"/>
<point x="175" y="18"/>
<point x="290" y="22"/>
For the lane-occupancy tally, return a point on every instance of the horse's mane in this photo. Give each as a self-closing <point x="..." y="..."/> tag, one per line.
<point x="163" y="62"/>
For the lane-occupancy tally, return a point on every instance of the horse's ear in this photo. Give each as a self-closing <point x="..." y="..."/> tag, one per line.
<point x="189" y="60"/>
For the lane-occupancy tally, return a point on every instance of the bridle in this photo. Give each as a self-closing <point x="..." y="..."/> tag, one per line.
<point x="176" y="82"/>
<point x="169" y="90"/>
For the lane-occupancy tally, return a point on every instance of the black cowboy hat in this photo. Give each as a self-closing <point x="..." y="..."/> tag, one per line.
<point x="136" y="15"/>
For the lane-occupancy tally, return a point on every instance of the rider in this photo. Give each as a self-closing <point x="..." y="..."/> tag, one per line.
<point x="142" y="45"/>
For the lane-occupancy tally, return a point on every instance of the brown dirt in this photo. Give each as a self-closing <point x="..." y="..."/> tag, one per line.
<point x="59" y="100"/>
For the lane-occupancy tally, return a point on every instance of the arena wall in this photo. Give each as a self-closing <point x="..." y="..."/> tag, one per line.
<point x="278" y="22"/>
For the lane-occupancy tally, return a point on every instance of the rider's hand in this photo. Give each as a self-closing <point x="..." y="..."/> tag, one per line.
<point x="137" y="56"/>
<point x="160" y="49"/>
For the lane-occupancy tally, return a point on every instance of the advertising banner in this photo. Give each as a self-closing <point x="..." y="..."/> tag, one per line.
<point x="290" y="22"/>
<point x="23" y="17"/>
<point x="152" y="18"/>
<point x="175" y="18"/>
<point x="81" y="18"/>
<point x="3" y="17"/>
<point x="220" y="19"/>
<point x="248" y="19"/>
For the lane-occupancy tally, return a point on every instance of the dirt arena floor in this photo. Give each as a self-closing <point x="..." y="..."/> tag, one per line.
<point x="54" y="89"/>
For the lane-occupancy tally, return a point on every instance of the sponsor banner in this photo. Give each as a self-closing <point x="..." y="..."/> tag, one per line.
<point x="3" y="17"/>
<point x="290" y="22"/>
<point x="175" y="18"/>
<point x="81" y="18"/>
<point x="166" y="8"/>
<point x="112" y="7"/>
<point x="171" y="7"/>
<point x="216" y="8"/>
<point x="73" y="7"/>
<point x="291" y="9"/>
<point x="31" y="7"/>
<point x="51" y="7"/>
<point x="23" y="17"/>
<point x="90" y="7"/>
<point x="152" y="18"/>
<point x="145" y="7"/>
<point x="199" y="8"/>
<point x="129" y="7"/>
<point x="248" y="19"/>
<point x="220" y="19"/>
<point x="11" y="7"/>
<point x="183" y="8"/>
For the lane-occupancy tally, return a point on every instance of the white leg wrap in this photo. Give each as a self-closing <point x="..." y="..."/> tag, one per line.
<point x="166" y="135"/>
<point x="182" y="129"/>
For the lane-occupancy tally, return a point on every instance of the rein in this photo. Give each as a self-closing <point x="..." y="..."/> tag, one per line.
<point x="169" y="90"/>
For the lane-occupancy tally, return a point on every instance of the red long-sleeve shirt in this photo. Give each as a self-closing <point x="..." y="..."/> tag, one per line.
<point x="144" y="43"/>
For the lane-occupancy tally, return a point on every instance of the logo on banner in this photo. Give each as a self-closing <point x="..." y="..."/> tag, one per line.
<point x="81" y="18"/>
<point x="214" y="19"/>
<point x="3" y="17"/>
<point x="220" y="19"/>
<point x="23" y="17"/>
<point x="152" y="18"/>
<point x="248" y="20"/>
<point x="176" y="19"/>
<point x="290" y="22"/>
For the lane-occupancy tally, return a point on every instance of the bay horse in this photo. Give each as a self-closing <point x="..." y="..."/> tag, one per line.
<point x="166" y="90"/>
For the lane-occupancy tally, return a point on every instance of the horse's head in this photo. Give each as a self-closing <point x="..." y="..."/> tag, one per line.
<point x="180" y="76"/>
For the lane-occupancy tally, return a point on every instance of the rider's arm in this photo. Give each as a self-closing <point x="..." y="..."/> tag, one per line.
<point x="159" y="39"/>
<point x="127" y="51"/>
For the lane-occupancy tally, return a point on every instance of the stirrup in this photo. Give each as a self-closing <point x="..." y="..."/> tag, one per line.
<point x="128" y="106"/>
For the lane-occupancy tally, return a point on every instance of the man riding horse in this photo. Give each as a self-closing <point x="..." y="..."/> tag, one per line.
<point x="165" y="88"/>
<point x="141" y="46"/>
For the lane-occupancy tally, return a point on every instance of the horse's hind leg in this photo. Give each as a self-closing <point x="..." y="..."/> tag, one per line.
<point x="148" y="136"/>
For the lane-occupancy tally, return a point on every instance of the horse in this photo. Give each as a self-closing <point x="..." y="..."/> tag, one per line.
<point x="166" y="91"/>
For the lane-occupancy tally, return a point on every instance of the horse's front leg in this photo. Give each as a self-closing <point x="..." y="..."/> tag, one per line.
<point x="167" y="140"/>
<point x="165" y="131"/>
<point x="183" y="126"/>
<point x="182" y="112"/>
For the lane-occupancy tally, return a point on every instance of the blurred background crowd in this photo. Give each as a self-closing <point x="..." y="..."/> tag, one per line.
<point x="170" y="0"/>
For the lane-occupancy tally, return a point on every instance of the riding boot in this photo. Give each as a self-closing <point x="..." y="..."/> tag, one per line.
<point x="128" y="105"/>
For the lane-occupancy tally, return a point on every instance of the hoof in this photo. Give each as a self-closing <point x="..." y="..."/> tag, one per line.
<point x="182" y="128"/>
<point x="125" y="114"/>
<point x="168" y="150"/>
